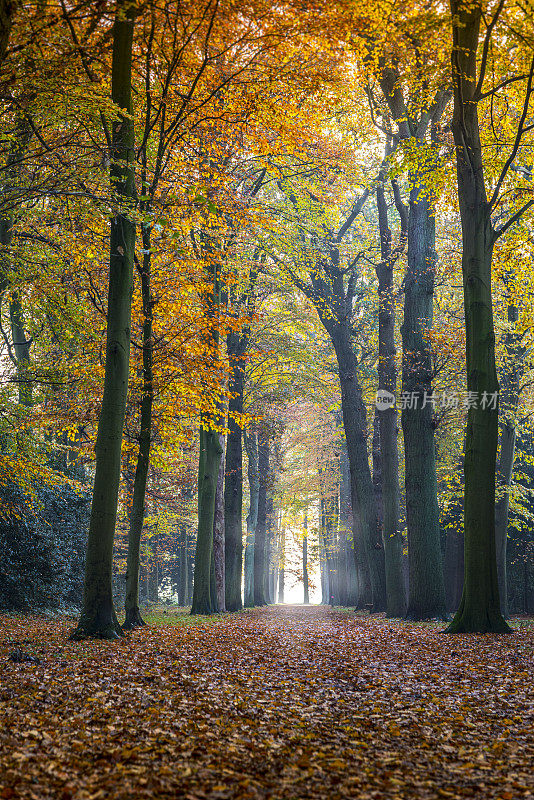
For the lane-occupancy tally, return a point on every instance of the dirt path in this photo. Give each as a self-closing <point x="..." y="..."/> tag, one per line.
<point x="285" y="702"/>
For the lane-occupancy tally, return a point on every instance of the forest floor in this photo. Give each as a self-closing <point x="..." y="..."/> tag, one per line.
<point x="283" y="702"/>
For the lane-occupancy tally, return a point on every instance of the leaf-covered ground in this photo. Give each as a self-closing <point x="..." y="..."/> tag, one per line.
<point x="284" y="702"/>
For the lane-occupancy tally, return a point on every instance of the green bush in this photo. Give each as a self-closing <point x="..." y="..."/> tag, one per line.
<point x="42" y="547"/>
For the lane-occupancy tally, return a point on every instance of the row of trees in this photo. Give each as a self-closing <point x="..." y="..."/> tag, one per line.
<point x="271" y="184"/>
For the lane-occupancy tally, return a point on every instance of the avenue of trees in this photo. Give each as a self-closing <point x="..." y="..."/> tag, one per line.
<point x="266" y="289"/>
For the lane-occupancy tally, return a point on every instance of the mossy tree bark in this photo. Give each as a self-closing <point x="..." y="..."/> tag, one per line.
<point x="480" y="608"/>
<point x="98" y="618"/>
<point x="131" y="606"/>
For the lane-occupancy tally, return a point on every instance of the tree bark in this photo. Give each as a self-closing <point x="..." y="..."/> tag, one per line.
<point x="387" y="418"/>
<point x="346" y="521"/>
<point x="362" y="490"/>
<point x="511" y="375"/>
<point x="233" y="490"/>
<point x="454" y="551"/>
<point x="98" y="618"/>
<point x="183" y="572"/>
<point x="305" y="577"/>
<point x="281" y="567"/>
<point x="11" y="197"/>
<point x="131" y="606"/>
<point x="426" y="592"/>
<point x="204" y="602"/>
<point x="251" y="444"/>
<point x="218" y="533"/>
<point x="480" y="605"/>
<point x="260" y="543"/>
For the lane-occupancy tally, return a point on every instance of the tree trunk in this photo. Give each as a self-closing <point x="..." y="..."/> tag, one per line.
<point x="362" y="490"/>
<point x="281" y="567"/>
<point x="480" y="605"/>
<point x="98" y="618"/>
<point x="12" y="195"/>
<point x="271" y="547"/>
<point x="208" y="474"/>
<point x="218" y="534"/>
<point x="346" y="521"/>
<point x="426" y="582"/>
<point x="251" y="444"/>
<point x="183" y="571"/>
<point x="305" y="578"/>
<point x="387" y="420"/>
<point x="508" y="406"/>
<point x="133" y="614"/>
<point x="454" y="555"/>
<point x="233" y="490"/>
<point x="504" y="481"/>
<point x="260" y="543"/>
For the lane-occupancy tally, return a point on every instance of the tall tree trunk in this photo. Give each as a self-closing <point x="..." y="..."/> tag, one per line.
<point x="325" y="585"/>
<point x="271" y="548"/>
<point x="218" y="534"/>
<point x="346" y="520"/>
<point x="454" y="551"/>
<point x="504" y="481"/>
<point x="133" y="614"/>
<point x="260" y="543"/>
<point x="205" y="587"/>
<point x="233" y="490"/>
<point x="362" y="490"/>
<point x="251" y="444"/>
<point x="281" y="566"/>
<point x="305" y="577"/>
<point x="183" y="572"/>
<point x="426" y="595"/>
<point x="98" y="618"/>
<point x="387" y="418"/>
<point x="511" y="375"/>
<point x="208" y="474"/>
<point x="10" y="198"/>
<point x="480" y="605"/>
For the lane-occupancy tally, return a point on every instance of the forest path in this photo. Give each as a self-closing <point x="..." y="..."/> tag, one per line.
<point x="278" y="702"/>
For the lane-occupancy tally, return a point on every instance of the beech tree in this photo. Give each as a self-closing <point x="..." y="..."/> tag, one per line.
<point x="98" y="618"/>
<point x="480" y="609"/>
